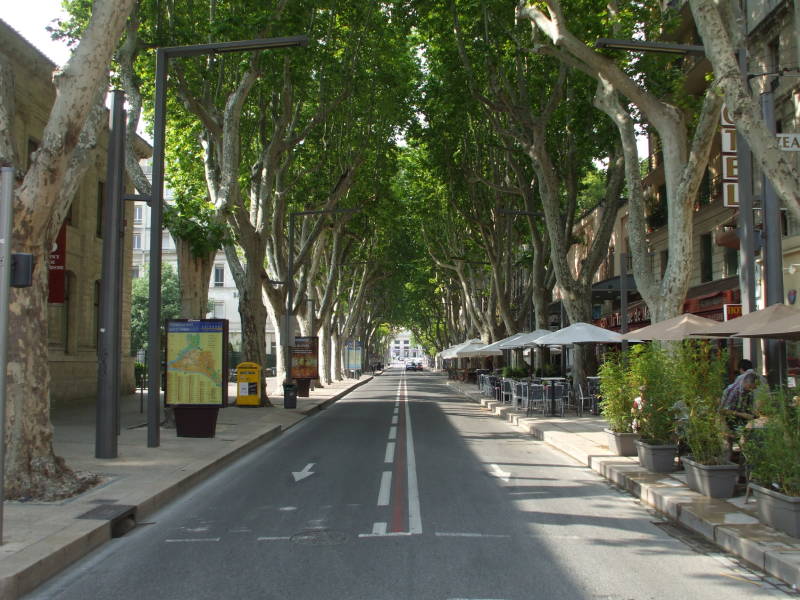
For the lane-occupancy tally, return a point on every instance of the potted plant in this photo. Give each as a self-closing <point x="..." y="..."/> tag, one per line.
<point x="616" y="404"/>
<point x="771" y="448"/>
<point x="700" y="371"/>
<point x="652" y="373"/>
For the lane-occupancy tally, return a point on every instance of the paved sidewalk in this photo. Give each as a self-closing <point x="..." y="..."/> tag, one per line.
<point x="730" y="524"/>
<point x="41" y="539"/>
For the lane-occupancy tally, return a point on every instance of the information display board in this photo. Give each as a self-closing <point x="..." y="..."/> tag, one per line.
<point x="197" y="370"/>
<point x="353" y="355"/>
<point x="305" y="358"/>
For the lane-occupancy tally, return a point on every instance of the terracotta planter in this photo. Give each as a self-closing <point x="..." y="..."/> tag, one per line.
<point x="714" y="481"/>
<point x="621" y="443"/>
<point x="656" y="458"/>
<point x="778" y="510"/>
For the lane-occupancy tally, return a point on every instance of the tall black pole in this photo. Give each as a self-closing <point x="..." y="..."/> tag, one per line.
<point x="6" y="226"/>
<point x="156" y="223"/>
<point x="288" y="342"/>
<point x="747" y="277"/>
<point x="109" y="353"/>
<point x="773" y="250"/>
<point x="623" y="298"/>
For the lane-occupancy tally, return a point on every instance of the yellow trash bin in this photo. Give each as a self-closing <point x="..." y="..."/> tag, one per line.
<point x="248" y="384"/>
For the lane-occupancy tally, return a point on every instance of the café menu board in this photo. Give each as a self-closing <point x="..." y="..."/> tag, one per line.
<point x="196" y="362"/>
<point x="305" y="358"/>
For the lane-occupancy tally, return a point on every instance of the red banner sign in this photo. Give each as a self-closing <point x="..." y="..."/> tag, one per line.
<point x="56" y="268"/>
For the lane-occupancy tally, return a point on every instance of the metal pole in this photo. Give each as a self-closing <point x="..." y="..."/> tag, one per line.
<point x="773" y="250"/>
<point x="747" y="251"/>
<point x="623" y="298"/>
<point x="156" y="223"/>
<point x="289" y="300"/>
<point x="6" y="216"/>
<point x="109" y="354"/>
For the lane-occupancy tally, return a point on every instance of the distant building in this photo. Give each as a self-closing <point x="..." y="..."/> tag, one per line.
<point x="402" y="347"/>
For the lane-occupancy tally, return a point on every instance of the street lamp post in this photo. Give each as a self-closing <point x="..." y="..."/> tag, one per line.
<point x="159" y="126"/>
<point x="290" y="281"/>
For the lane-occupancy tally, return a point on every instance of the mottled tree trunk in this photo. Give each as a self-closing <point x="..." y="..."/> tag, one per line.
<point x="194" y="273"/>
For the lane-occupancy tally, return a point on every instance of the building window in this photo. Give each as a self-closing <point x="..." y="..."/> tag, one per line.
<point x="138" y="214"/>
<point x="135" y="272"/>
<point x="706" y="258"/>
<point x="774" y="55"/>
<point x="704" y="193"/>
<point x="731" y="262"/>
<point x="219" y="310"/>
<point x="101" y="193"/>
<point x="137" y="241"/>
<point x="166" y="241"/>
<point x="219" y="276"/>
<point x="33" y="146"/>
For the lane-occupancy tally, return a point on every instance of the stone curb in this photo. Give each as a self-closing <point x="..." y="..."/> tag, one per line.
<point x="25" y="570"/>
<point x="720" y="522"/>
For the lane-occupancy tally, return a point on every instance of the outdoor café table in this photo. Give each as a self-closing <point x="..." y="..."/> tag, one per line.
<point x="549" y="383"/>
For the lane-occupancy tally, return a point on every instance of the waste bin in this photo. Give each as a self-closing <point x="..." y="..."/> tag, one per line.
<point x="289" y="395"/>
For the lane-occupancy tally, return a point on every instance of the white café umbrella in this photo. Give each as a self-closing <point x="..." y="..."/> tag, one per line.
<point x="450" y="352"/>
<point x="493" y="349"/>
<point x="527" y="339"/>
<point x="473" y="346"/>
<point x="578" y="333"/>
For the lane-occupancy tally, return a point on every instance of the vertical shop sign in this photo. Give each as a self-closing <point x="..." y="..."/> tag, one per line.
<point x="730" y="162"/>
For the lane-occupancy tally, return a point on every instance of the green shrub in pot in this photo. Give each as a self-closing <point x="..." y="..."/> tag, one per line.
<point x="652" y="374"/>
<point x="699" y="382"/>
<point x="616" y="393"/>
<point x="772" y="447"/>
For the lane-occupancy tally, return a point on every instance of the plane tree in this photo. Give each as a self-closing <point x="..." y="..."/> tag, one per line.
<point x="42" y="197"/>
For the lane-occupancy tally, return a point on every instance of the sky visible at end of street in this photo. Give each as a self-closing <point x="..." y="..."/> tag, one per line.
<point x="31" y="19"/>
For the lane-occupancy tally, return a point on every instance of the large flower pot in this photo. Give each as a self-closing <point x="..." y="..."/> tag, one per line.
<point x="778" y="510"/>
<point x="621" y="443"/>
<point x="656" y="458"/>
<point x="714" y="481"/>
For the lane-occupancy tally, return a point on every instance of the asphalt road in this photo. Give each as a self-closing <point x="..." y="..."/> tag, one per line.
<point x="404" y="491"/>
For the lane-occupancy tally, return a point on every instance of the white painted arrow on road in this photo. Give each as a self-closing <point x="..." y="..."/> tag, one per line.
<point x="499" y="473"/>
<point x="306" y="472"/>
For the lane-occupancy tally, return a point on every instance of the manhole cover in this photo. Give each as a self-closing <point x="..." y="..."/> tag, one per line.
<point x="319" y="537"/>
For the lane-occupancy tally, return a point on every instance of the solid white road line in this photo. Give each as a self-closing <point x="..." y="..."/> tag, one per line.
<point x="386" y="488"/>
<point x="193" y="540"/>
<point x="273" y="538"/>
<point x="414" y="515"/>
<point x="392" y="433"/>
<point x="389" y="456"/>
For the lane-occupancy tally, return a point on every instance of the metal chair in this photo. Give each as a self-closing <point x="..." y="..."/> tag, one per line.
<point x="536" y="398"/>
<point x="559" y="392"/>
<point x="506" y="391"/>
<point x="518" y="394"/>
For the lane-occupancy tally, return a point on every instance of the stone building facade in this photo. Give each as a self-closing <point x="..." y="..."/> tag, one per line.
<point x="75" y="264"/>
